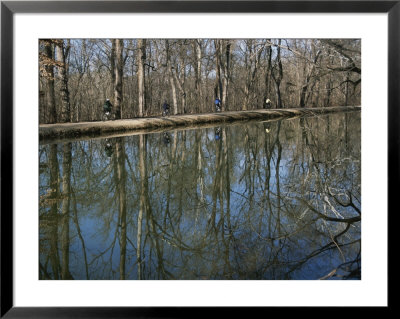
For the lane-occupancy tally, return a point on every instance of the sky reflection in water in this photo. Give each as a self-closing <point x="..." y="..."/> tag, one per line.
<point x="278" y="200"/>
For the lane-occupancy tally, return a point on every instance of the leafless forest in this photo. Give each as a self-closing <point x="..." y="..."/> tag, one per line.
<point x="138" y="75"/>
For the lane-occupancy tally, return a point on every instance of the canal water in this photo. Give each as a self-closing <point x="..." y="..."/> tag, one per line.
<point x="276" y="200"/>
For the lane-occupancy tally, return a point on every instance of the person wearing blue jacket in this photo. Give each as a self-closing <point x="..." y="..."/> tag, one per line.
<point x="217" y="105"/>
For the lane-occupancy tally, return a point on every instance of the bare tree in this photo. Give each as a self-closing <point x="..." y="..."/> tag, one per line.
<point x="253" y="56"/>
<point x="268" y="72"/>
<point x="227" y="69"/>
<point x="48" y="71"/>
<point x="218" y="69"/>
<point x="122" y="224"/>
<point x="65" y="232"/>
<point x="171" y="76"/>
<point x="118" y="44"/>
<point x="308" y="78"/>
<point x="277" y="75"/>
<point x="62" y="52"/>
<point x="141" y="58"/>
<point x="198" y="65"/>
<point x="243" y="73"/>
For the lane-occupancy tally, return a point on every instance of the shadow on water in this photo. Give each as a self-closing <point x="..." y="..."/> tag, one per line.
<point x="273" y="200"/>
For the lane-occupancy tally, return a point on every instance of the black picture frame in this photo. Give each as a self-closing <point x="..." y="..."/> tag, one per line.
<point x="9" y="8"/>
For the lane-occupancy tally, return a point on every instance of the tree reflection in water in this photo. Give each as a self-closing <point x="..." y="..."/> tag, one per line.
<point x="272" y="200"/>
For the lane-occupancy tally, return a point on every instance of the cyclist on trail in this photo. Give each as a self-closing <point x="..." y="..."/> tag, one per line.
<point x="217" y="105"/>
<point x="267" y="104"/>
<point x="165" y="109"/>
<point x="107" y="108"/>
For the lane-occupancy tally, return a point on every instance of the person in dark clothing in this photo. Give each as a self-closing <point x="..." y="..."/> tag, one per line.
<point x="107" y="108"/>
<point x="217" y="105"/>
<point x="165" y="109"/>
<point x="267" y="103"/>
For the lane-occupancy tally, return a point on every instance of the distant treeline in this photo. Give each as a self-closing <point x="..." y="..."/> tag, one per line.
<point x="138" y="75"/>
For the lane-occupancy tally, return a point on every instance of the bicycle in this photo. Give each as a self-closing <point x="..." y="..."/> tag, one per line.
<point x="165" y="112"/>
<point x="108" y="116"/>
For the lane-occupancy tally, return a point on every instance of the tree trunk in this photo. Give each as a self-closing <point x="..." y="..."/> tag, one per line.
<point x="328" y="88"/>
<point x="112" y="62"/>
<point x="267" y="94"/>
<point x="218" y="84"/>
<point x="225" y="84"/>
<point x="54" y="189"/>
<point x="181" y="82"/>
<point x="119" y="65"/>
<point x="49" y="68"/>
<point x="65" y="214"/>
<point x="197" y="47"/>
<point x="346" y="101"/>
<point x="252" y="66"/>
<point x="121" y="178"/>
<point x="141" y="58"/>
<point x="308" y="81"/>
<point x="181" y="90"/>
<point x="142" y="209"/>
<point x="171" y="78"/>
<point x="62" y="54"/>
<point x="278" y="79"/>
<point x="173" y="88"/>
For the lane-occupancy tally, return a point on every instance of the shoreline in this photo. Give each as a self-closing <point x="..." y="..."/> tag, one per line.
<point x="60" y="132"/>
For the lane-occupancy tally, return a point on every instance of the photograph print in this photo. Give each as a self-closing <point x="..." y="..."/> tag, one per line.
<point x="199" y="159"/>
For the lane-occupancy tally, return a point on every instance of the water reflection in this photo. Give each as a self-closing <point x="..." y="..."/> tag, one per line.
<point x="217" y="133"/>
<point x="166" y="138"/>
<point x="108" y="148"/>
<point x="273" y="200"/>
